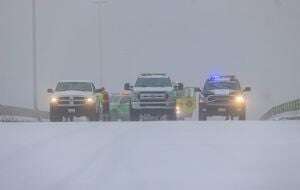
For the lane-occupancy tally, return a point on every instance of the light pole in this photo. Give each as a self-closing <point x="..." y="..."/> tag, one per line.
<point x="34" y="56"/>
<point x="99" y="4"/>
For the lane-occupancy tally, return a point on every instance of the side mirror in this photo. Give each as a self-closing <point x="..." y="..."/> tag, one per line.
<point x="207" y="93"/>
<point x="247" y="89"/>
<point x="127" y="86"/>
<point x="197" y="89"/>
<point x="98" y="90"/>
<point x="50" y="90"/>
<point x="180" y="86"/>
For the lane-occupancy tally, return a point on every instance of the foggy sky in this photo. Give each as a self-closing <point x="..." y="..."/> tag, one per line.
<point x="257" y="40"/>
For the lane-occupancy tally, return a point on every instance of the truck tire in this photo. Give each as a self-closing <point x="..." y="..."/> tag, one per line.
<point x="134" y="115"/>
<point x="106" y="117"/>
<point x="171" y="116"/>
<point x="94" y="117"/>
<point x="55" y="117"/>
<point x="242" y="116"/>
<point x="202" y="116"/>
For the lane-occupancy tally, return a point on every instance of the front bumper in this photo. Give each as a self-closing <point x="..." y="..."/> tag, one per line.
<point x="153" y="105"/>
<point x="78" y="111"/>
<point x="222" y="109"/>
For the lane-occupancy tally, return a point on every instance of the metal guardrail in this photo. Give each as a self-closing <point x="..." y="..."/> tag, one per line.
<point x="11" y="113"/>
<point x="289" y="110"/>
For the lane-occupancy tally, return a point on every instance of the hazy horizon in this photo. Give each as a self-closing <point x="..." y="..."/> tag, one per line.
<point x="189" y="39"/>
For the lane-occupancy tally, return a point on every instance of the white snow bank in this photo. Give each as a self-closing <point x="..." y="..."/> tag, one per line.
<point x="150" y="155"/>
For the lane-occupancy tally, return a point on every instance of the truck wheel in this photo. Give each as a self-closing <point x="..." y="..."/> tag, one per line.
<point x="97" y="117"/>
<point x="106" y="117"/>
<point x="171" y="116"/>
<point x="94" y="117"/>
<point x="242" y="115"/>
<point x="55" y="117"/>
<point x="134" y="115"/>
<point x="202" y="116"/>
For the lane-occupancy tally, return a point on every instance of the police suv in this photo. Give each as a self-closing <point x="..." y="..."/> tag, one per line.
<point x="223" y="96"/>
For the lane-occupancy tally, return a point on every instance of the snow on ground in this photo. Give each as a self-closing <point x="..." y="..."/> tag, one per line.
<point x="150" y="155"/>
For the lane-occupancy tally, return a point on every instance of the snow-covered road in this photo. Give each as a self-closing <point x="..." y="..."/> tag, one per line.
<point x="249" y="155"/>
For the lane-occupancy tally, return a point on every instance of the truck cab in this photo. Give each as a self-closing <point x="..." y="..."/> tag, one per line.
<point x="223" y="96"/>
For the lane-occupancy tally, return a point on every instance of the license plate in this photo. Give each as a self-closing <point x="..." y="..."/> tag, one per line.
<point x="71" y="110"/>
<point x="222" y="109"/>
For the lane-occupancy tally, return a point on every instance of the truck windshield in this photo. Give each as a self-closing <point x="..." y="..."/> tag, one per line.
<point x="232" y="85"/>
<point x="77" y="86"/>
<point x="153" y="82"/>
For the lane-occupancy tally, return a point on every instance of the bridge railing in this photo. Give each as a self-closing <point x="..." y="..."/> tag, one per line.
<point x="286" y="111"/>
<point x="15" y="114"/>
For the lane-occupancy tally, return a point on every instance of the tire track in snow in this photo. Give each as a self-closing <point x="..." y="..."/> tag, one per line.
<point x="88" y="163"/>
<point x="38" y="145"/>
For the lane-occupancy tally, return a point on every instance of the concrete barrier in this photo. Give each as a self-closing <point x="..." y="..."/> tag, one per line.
<point x="286" y="111"/>
<point x="15" y="114"/>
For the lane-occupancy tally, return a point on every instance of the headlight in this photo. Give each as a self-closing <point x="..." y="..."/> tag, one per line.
<point x="90" y="100"/>
<point x="239" y="99"/>
<point x="201" y="100"/>
<point x="178" y="111"/>
<point x="54" y="100"/>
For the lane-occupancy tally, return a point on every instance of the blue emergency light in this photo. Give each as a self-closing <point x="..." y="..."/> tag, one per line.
<point x="221" y="77"/>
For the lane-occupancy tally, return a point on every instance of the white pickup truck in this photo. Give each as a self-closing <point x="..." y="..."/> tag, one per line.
<point x="153" y="94"/>
<point x="74" y="99"/>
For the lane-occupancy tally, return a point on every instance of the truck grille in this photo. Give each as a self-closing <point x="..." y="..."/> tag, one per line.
<point x="153" y="96"/>
<point x="219" y="99"/>
<point x="157" y="104"/>
<point x="64" y="98"/>
<point x="154" y="100"/>
<point x="71" y="100"/>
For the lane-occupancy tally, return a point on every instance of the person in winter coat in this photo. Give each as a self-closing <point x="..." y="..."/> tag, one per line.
<point x="104" y="102"/>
